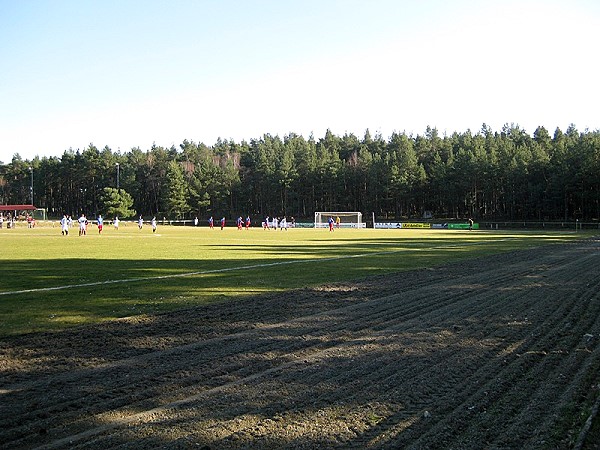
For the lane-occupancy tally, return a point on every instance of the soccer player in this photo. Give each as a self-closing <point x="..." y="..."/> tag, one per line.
<point x="100" y="223"/>
<point x="82" y="225"/>
<point x="283" y="224"/>
<point x="222" y="223"/>
<point x="330" y="221"/>
<point x="64" y="225"/>
<point x="140" y="222"/>
<point x="153" y="224"/>
<point x="337" y="222"/>
<point x="116" y="223"/>
<point x="211" y="222"/>
<point x="247" y="222"/>
<point x="239" y="223"/>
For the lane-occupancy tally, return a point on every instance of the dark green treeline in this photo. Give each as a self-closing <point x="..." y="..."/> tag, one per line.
<point x="506" y="175"/>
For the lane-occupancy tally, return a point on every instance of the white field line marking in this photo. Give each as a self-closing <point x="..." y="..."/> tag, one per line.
<point x="231" y="269"/>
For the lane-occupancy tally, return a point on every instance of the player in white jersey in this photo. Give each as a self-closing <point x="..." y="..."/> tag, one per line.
<point x="82" y="225"/>
<point x="64" y="225"/>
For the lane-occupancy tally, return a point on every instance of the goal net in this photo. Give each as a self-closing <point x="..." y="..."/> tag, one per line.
<point x="341" y="219"/>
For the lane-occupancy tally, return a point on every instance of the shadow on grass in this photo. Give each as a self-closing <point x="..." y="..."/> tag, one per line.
<point x="49" y="294"/>
<point x="55" y="294"/>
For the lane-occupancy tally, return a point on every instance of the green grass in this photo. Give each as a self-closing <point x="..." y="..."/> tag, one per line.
<point x="184" y="266"/>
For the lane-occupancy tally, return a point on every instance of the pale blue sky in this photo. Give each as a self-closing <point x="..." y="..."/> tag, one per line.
<point x="132" y="73"/>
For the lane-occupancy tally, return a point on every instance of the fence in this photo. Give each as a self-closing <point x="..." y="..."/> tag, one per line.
<point x="544" y="225"/>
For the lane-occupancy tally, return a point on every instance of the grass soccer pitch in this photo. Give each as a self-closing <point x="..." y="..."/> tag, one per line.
<point x="49" y="281"/>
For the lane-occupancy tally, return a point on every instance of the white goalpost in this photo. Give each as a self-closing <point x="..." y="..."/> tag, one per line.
<point x="347" y="219"/>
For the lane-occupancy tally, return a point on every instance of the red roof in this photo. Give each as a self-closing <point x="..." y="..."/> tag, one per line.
<point x="17" y="208"/>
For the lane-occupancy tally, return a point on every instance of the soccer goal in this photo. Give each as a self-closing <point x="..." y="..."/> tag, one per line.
<point x="341" y="219"/>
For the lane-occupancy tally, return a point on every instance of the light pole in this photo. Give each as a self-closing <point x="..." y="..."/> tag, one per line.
<point x="117" y="176"/>
<point x="83" y="191"/>
<point x="31" y="189"/>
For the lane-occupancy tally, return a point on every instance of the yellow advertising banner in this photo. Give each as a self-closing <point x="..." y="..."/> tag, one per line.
<point x="415" y="225"/>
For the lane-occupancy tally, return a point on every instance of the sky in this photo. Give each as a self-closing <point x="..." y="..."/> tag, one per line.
<point x="133" y="73"/>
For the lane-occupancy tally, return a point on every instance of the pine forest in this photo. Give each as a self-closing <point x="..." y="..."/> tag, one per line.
<point x="487" y="175"/>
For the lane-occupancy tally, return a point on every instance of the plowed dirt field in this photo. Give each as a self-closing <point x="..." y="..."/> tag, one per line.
<point x="499" y="353"/>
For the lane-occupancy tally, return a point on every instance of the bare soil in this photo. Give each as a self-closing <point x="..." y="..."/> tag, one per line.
<point x="496" y="353"/>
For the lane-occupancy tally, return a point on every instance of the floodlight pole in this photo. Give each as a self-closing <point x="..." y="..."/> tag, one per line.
<point x="31" y="188"/>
